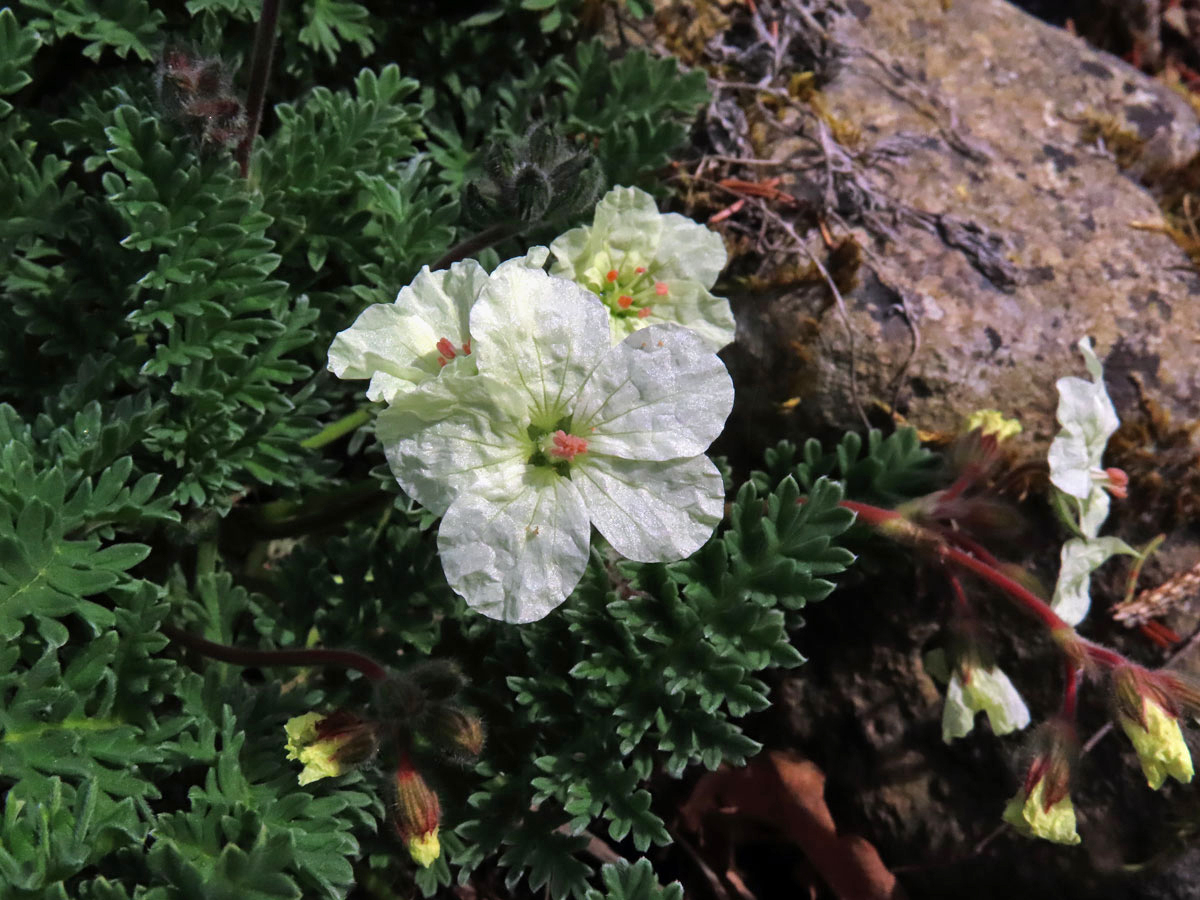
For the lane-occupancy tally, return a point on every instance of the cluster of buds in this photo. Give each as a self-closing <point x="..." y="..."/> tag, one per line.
<point x="533" y="179"/>
<point x="198" y="91"/>
<point x="418" y="709"/>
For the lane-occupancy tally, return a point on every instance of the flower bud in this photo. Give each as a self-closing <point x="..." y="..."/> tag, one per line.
<point x="330" y="745"/>
<point x="1148" y="714"/>
<point x="992" y="422"/>
<point x="1043" y="808"/>
<point x="416" y="814"/>
<point x="458" y="732"/>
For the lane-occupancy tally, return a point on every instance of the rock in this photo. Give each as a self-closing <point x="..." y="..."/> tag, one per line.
<point x="1013" y="231"/>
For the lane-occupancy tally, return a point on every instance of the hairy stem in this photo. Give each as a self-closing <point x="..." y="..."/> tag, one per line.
<point x="240" y="656"/>
<point x="260" y="70"/>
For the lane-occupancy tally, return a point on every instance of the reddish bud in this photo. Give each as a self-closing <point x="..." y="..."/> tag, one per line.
<point x="416" y="813"/>
<point x="457" y="731"/>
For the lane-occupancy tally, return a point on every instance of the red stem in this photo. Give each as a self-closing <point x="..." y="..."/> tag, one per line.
<point x="1030" y="601"/>
<point x="876" y="516"/>
<point x="960" y="597"/>
<point x="241" y="656"/>
<point x="1104" y="656"/>
<point x="1071" y="690"/>
<point x="971" y="546"/>
<point x="872" y="515"/>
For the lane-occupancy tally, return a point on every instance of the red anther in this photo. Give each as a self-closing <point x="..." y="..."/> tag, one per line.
<point x="641" y="270"/>
<point x="441" y="360"/>
<point x="612" y="275"/>
<point x="445" y="348"/>
<point x="660" y="288"/>
<point x="467" y="349"/>
<point x="643" y="312"/>
<point x="624" y="301"/>
<point x="1118" y="483"/>
<point x="567" y="446"/>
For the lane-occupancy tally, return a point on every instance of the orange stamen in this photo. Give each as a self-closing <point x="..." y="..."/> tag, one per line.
<point x="643" y="312"/>
<point x="660" y="288"/>
<point x="641" y="270"/>
<point x="624" y="301"/>
<point x="567" y="446"/>
<point x="445" y="348"/>
<point x="612" y="275"/>
<point x="467" y="348"/>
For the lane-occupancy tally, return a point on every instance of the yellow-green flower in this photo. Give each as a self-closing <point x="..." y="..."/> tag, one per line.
<point x="993" y="422"/>
<point x="424" y="848"/>
<point x="1159" y="744"/>
<point x="1027" y="812"/>
<point x="329" y="745"/>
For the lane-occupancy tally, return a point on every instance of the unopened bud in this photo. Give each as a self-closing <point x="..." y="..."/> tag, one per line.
<point x="330" y="745"/>
<point x="416" y="814"/>
<point x="1043" y="808"/>
<point x="992" y="423"/>
<point x="1148" y="714"/>
<point x="458" y="732"/>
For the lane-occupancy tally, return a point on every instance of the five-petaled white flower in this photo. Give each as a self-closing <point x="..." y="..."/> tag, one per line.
<point x="647" y="267"/>
<point x="558" y="431"/>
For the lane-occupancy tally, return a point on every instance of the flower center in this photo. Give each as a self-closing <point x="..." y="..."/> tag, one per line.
<point x="555" y="449"/>
<point x="565" y="446"/>
<point x="630" y="291"/>
<point x="446" y="351"/>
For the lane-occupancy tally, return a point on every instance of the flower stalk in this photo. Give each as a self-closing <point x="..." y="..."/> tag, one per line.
<point x="260" y="70"/>
<point x="242" y="656"/>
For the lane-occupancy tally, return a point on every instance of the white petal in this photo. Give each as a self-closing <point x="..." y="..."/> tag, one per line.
<point x="991" y="690"/>
<point x="652" y="511"/>
<point x="1079" y="559"/>
<point x="394" y="344"/>
<point x="662" y="393"/>
<point x="692" y="305"/>
<point x="451" y="434"/>
<point x="689" y="250"/>
<point x="543" y="335"/>
<point x="386" y="345"/>
<point x="534" y="258"/>
<point x="957" y="717"/>
<point x="444" y="298"/>
<point x="516" y="551"/>
<point x="1088" y="420"/>
<point x="571" y="256"/>
<point x="627" y="224"/>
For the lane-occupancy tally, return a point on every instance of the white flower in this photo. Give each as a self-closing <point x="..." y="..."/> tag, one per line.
<point x="1088" y="420"/>
<point x="423" y="333"/>
<point x="561" y="430"/>
<point x="648" y="267"/>
<point x="986" y="690"/>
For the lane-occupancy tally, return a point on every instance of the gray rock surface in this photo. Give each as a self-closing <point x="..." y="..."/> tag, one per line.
<point x="1018" y="235"/>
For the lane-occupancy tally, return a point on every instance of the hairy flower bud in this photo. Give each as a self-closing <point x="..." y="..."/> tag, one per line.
<point x="330" y="745"/>
<point x="458" y="732"/>
<point x="416" y="814"/>
<point x="1147" y="712"/>
<point x="1043" y="808"/>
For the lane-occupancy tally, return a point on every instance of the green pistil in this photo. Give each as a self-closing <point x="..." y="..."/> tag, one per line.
<point x="629" y="292"/>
